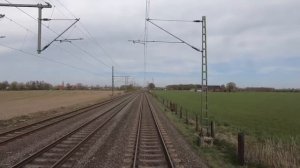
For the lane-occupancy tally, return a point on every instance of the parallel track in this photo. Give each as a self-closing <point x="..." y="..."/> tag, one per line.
<point x="58" y="152"/>
<point x="150" y="148"/>
<point x="17" y="133"/>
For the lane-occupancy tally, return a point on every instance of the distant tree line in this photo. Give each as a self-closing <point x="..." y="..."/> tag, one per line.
<point x="41" y="85"/>
<point x="129" y="88"/>
<point x="193" y="87"/>
<point x="31" y="85"/>
<point x="229" y="87"/>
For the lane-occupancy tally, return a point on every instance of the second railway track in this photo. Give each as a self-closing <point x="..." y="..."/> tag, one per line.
<point x="17" y="133"/>
<point x="58" y="153"/>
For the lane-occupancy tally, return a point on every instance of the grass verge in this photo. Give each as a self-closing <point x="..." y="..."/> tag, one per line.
<point x="261" y="151"/>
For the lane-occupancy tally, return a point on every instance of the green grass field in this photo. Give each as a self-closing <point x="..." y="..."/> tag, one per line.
<point x="268" y="114"/>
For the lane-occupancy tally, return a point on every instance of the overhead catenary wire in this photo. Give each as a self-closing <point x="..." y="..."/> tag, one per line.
<point x="24" y="40"/>
<point x="84" y="51"/>
<point x="89" y="35"/>
<point x="37" y="20"/>
<point x="25" y="28"/>
<point x="51" y="15"/>
<point x="89" y="54"/>
<point x="34" y="33"/>
<point x="153" y="41"/>
<point x="81" y="49"/>
<point x="66" y="8"/>
<point x="34" y="19"/>
<point x="51" y="60"/>
<point x="59" y="10"/>
<point x="174" y="20"/>
<point x="147" y="11"/>
<point x="22" y="11"/>
<point x="76" y="20"/>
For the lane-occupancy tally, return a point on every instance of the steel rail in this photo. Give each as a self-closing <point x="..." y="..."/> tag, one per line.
<point x="165" y="149"/>
<point x="66" y="156"/>
<point x="71" y="113"/>
<point x="48" y="147"/>
<point x="134" y="165"/>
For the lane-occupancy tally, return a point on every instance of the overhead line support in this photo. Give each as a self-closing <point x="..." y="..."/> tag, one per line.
<point x="40" y="7"/>
<point x="76" y="20"/>
<point x="204" y="82"/>
<point x="195" y="48"/>
<point x="112" y="81"/>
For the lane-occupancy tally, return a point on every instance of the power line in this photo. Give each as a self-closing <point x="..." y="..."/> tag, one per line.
<point x="97" y="43"/>
<point x="153" y="41"/>
<point x="51" y="15"/>
<point x="86" y="52"/>
<point x="172" y="20"/>
<point x="89" y="35"/>
<point x="89" y="54"/>
<point x="195" y="48"/>
<point x="27" y="29"/>
<point x="60" y="11"/>
<point x="51" y="60"/>
<point x="23" y="11"/>
<point x="76" y="20"/>
<point x="147" y="11"/>
<point x="34" y="18"/>
<point x="66" y="8"/>
<point x="71" y="54"/>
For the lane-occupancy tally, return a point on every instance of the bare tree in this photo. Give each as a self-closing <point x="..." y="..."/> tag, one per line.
<point x="151" y="86"/>
<point x="231" y="87"/>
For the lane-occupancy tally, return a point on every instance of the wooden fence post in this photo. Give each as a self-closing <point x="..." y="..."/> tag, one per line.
<point x="186" y="117"/>
<point x="180" y="112"/>
<point x="241" y="148"/>
<point x="212" y="129"/>
<point x="197" y="125"/>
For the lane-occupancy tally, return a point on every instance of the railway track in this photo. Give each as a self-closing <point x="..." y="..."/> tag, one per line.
<point x="150" y="146"/>
<point x="10" y="136"/>
<point x="59" y="152"/>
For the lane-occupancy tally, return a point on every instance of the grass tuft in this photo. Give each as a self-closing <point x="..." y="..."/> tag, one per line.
<point x="273" y="153"/>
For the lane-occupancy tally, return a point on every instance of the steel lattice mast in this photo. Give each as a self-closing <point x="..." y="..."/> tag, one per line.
<point x="204" y="86"/>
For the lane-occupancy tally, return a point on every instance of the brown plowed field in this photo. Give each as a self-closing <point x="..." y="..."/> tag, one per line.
<point x="20" y="103"/>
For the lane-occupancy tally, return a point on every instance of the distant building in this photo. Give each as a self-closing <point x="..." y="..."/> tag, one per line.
<point x="214" y="88"/>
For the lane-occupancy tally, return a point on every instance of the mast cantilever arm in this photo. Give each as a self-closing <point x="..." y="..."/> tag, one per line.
<point x="48" y="5"/>
<point x="193" y="47"/>
<point x="44" y="48"/>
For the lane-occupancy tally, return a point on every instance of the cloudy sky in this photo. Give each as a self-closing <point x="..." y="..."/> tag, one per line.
<point x="253" y="43"/>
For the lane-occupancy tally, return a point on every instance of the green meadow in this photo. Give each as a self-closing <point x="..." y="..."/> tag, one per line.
<point x="260" y="113"/>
